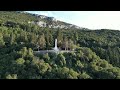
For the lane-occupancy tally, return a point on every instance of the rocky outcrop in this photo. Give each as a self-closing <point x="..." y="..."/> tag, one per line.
<point x="41" y="23"/>
<point x="51" y="22"/>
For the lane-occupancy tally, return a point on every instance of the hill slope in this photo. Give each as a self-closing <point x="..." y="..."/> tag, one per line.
<point x="96" y="57"/>
<point x="40" y="20"/>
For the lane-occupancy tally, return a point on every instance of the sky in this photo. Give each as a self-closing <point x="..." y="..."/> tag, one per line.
<point x="86" y="19"/>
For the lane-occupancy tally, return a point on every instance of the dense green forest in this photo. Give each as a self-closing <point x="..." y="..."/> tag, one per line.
<point x="96" y="53"/>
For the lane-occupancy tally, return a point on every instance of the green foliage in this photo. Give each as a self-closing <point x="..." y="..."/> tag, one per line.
<point x="13" y="76"/>
<point x="2" y="43"/>
<point x="46" y="57"/>
<point x="23" y="52"/>
<point x="96" y="54"/>
<point x="30" y="52"/>
<point x="84" y="75"/>
<point x="20" y="61"/>
<point x="41" y="41"/>
<point x="59" y="37"/>
<point x="73" y="74"/>
<point x="61" y="60"/>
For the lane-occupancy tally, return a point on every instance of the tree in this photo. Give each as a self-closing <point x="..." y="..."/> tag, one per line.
<point x="12" y="38"/>
<point x="84" y="75"/>
<point x="79" y="64"/>
<point x="61" y="60"/>
<point x="62" y="72"/>
<point x="30" y="52"/>
<point x="47" y="35"/>
<point x="59" y="37"/>
<point x="20" y="61"/>
<point x="23" y="52"/>
<point x="13" y="76"/>
<point x="22" y="39"/>
<point x="33" y="38"/>
<point x="71" y="44"/>
<point x="73" y="74"/>
<point x="51" y="40"/>
<point x="42" y="41"/>
<point x="2" y="43"/>
<point x="75" y="37"/>
<point x="46" y="57"/>
<point x="43" y="67"/>
<point x="65" y="43"/>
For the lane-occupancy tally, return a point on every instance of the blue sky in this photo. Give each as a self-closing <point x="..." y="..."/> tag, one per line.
<point x="87" y="19"/>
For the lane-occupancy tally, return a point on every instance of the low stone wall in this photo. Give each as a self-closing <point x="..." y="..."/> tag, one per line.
<point x="52" y="51"/>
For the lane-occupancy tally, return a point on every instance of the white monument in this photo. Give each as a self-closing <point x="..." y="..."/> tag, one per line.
<point x="56" y="48"/>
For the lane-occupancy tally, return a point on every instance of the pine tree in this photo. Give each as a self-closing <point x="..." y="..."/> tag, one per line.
<point x="12" y="38"/>
<point x="47" y="38"/>
<point x="70" y="44"/>
<point x="65" y="43"/>
<point x="33" y="38"/>
<point x="2" y="43"/>
<point x="42" y="41"/>
<point x="59" y="37"/>
<point x="51" y="40"/>
<point x="75" y="37"/>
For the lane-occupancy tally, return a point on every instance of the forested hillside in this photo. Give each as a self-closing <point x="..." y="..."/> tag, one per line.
<point x="96" y="53"/>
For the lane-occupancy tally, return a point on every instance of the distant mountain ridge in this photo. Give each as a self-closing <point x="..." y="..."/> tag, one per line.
<point x="51" y="22"/>
<point x="22" y="17"/>
<point x="25" y="18"/>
